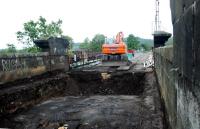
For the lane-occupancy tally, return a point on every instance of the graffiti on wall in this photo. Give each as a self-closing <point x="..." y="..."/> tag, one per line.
<point x="12" y="64"/>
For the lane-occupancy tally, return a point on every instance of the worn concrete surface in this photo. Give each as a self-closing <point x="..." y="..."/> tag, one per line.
<point x="179" y="76"/>
<point x="18" y="66"/>
<point x="165" y="75"/>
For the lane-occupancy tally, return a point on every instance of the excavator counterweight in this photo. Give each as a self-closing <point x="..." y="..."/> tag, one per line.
<point x="115" y="53"/>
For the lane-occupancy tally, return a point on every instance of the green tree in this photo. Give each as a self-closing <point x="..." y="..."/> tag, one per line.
<point x="39" y="29"/>
<point x="132" y="42"/>
<point x="145" y="47"/>
<point x="85" y="45"/>
<point x="11" y="48"/>
<point x="97" y="42"/>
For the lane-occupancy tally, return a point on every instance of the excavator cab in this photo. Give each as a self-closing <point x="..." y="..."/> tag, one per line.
<point x="109" y="40"/>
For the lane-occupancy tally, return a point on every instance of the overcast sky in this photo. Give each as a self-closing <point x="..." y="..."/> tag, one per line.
<point x="84" y="18"/>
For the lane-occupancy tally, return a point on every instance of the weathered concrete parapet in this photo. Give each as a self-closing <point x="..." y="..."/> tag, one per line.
<point x="55" y="46"/>
<point x="164" y="70"/>
<point x="179" y="93"/>
<point x="13" y="67"/>
<point x="166" y="52"/>
<point x="18" y="66"/>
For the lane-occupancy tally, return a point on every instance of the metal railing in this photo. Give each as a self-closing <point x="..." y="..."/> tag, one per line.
<point x="83" y="59"/>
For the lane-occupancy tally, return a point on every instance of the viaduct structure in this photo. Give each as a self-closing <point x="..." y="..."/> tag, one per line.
<point x="177" y="68"/>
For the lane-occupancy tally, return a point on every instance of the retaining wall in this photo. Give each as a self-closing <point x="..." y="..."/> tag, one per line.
<point x="178" y="92"/>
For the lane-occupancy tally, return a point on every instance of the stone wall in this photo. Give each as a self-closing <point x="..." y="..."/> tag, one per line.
<point x="177" y="91"/>
<point x="13" y="67"/>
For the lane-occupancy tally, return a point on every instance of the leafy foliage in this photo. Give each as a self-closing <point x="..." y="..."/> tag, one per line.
<point x="32" y="49"/>
<point x="133" y="42"/>
<point x="94" y="45"/>
<point x="146" y="44"/>
<point x="85" y="45"/>
<point x="97" y="42"/>
<point x="145" y="47"/>
<point x="10" y="49"/>
<point x="39" y="30"/>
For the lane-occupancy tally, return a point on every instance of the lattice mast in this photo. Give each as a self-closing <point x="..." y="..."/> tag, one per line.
<point x="157" y="17"/>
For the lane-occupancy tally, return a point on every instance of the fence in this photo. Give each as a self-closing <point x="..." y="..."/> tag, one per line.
<point x="83" y="58"/>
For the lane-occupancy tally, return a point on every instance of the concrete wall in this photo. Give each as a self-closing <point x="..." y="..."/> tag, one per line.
<point x="182" y="104"/>
<point x="179" y="73"/>
<point x="13" y="67"/>
<point x="186" y="24"/>
<point x="163" y="57"/>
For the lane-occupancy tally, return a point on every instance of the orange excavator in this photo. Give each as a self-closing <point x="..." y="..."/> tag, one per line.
<point x="115" y="53"/>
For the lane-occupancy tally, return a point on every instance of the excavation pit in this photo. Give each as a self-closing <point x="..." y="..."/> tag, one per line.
<point x="93" y="100"/>
<point x="102" y="83"/>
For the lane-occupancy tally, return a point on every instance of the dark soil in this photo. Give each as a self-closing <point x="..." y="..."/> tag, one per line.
<point x="116" y="83"/>
<point x="91" y="100"/>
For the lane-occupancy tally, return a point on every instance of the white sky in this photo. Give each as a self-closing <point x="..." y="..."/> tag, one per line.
<point x="84" y="18"/>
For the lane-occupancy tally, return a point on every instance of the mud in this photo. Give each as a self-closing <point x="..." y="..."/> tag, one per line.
<point x="88" y="99"/>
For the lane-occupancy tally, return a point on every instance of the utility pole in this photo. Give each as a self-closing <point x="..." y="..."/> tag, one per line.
<point x="157" y="17"/>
